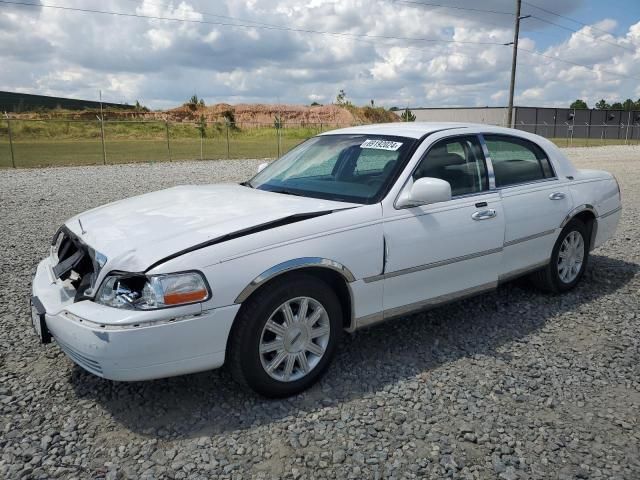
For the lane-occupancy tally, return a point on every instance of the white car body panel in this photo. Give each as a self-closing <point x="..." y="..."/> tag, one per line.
<point x="140" y="231"/>
<point x="391" y="260"/>
<point x="423" y="239"/>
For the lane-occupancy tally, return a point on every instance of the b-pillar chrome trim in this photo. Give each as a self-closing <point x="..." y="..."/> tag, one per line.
<point x="295" y="264"/>
<point x="489" y="163"/>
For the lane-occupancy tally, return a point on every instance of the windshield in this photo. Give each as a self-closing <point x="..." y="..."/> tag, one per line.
<point x="349" y="168"/>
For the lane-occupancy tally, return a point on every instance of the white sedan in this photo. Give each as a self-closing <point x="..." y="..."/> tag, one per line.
<point x="350" y="228"/>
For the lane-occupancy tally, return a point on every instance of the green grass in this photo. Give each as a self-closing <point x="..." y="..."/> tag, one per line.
<point x="89" y="152"/>
<point x="47" y="143"/>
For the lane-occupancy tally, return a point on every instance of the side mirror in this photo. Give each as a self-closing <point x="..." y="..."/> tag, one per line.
<point x="424" y="191"/>
<point x="262" y="166"/>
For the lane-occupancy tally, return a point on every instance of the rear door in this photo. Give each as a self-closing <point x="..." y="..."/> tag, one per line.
<point x="534" y="199"/>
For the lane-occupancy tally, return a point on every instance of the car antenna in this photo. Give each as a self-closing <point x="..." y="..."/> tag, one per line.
<point x="81" y="227"/>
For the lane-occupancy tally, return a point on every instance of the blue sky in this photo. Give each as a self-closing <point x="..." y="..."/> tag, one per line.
<point x="459" y="59"/>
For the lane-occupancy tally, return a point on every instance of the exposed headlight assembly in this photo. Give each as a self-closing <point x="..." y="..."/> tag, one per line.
<point x="150" y="292"/>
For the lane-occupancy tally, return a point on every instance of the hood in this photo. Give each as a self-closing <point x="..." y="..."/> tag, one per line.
<point x="140" y="231"/>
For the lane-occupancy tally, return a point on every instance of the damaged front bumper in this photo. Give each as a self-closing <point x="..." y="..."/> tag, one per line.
<point x="123" y="344"/>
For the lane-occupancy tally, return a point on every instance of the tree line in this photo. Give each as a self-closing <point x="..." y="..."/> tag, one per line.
<point x="602" y="104"/>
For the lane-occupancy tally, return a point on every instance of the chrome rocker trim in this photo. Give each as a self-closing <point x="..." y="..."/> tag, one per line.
<point x="420" y="306"/>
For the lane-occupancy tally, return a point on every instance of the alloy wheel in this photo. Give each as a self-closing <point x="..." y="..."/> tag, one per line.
<point x="570" y="257"/>
<point x="294" y="339"/>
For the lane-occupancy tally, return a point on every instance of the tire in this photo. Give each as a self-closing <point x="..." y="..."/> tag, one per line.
<point x="553" y="278"/>
<point x="296" y="345"/>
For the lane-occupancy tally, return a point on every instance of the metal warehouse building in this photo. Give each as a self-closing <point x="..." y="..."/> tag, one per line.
<point x="21" y="102"/>
<point x="548" y="122"/>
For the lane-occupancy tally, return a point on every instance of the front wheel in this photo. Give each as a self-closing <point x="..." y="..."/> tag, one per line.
<point x="568" y="260"/>
<point x="285" y="336"/>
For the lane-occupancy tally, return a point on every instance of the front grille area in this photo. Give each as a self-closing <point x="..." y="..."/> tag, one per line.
<point x="85" y="362"/>
<point x="74" y="261"/>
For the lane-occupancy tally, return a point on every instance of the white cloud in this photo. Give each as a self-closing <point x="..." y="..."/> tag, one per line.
<point x="164" y="62"/>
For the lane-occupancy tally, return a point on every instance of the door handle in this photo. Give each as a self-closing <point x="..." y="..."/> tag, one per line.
<point x="557" y="196"/>
<point x="484" y="214"/>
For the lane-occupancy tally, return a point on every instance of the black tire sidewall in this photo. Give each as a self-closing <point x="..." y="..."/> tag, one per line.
<point x="264" y="305"/>
<point x="578" y="226"/>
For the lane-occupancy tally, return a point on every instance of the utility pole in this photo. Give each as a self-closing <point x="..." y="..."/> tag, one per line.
<point x="104" y="150"/>
<point x="514" y="61"/>
<point x="13" y="160"/>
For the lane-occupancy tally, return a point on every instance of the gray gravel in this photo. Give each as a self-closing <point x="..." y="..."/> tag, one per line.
<point x="512" y="385"/>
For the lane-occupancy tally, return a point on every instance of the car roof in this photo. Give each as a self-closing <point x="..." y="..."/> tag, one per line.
<point x="417" y="129"/>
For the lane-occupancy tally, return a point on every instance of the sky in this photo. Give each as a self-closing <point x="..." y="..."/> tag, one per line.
<point x="394" y="52"/>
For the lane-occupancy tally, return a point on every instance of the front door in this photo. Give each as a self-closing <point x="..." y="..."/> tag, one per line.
<point x="444" y="250"/>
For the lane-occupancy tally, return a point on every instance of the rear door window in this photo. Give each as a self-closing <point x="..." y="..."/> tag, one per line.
<point x="516" y="160"/>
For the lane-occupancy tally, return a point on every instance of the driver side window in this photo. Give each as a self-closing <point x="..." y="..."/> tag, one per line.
<point x="459" y="161"/>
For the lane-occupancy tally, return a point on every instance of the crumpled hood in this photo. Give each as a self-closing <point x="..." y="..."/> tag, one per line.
<point x="137" y="232"/>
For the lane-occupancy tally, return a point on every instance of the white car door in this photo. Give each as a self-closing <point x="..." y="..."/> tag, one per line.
<point x="535" y="201"/>
<point x="444" y="250"/>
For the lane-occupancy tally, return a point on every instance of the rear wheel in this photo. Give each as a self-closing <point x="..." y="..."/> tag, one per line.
<point x="568" y="260"/>
<point x="285" y="336"/>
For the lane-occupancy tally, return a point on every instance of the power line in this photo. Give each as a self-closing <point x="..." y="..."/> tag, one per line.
<point x="241" y="25"/>
<point x="455" y="7"/>
<point x="590" y="67"/>
<point x="565" y="17"/>
<point x="578" y="32"/>
<point x="544" y="20"/>
<point x="358" y="37"/>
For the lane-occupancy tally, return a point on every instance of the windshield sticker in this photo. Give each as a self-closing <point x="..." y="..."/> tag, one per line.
<point x="381" y="145"/>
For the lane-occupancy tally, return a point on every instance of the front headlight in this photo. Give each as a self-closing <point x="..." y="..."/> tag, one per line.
<point x="142" y="292"/>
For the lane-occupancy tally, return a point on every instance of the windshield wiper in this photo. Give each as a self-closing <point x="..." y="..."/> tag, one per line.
<point x="246" y="184"/>
<point x="285" y="191"/>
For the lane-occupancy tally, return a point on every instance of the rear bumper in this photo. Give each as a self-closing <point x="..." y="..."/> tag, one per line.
<point x="130" y="345"/>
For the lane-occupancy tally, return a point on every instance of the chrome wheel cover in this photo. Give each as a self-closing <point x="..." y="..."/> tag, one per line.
<point x="294" y="339"/>
<point x="570" y="257"/>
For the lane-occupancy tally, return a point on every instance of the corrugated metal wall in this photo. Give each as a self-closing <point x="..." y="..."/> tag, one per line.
<point x="548" y="122"/>
<point x="19" y="102"/>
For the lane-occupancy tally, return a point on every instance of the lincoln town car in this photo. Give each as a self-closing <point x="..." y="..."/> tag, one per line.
<point x="348" y="229"/>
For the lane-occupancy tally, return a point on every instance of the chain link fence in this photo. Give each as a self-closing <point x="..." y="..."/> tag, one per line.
<point x="35" y="143"/>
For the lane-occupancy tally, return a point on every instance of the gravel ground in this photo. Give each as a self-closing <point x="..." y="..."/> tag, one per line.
<point x="511" y="385"/>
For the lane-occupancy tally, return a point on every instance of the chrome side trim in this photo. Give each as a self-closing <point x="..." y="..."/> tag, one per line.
<point x="615" y="210"/>
<point x="488" y="162"/>
<point x="529" y="237"/>
<point x="404" y="310"/>
<point x="427" y="266"/>
<point x="290" y="265"/>
<point x="505" y="277"/>
<point x="575" y="211"/>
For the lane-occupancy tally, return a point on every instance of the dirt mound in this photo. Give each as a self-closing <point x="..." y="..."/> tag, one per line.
<point x="244" y="114"/>
<point x="266" y="114"/>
